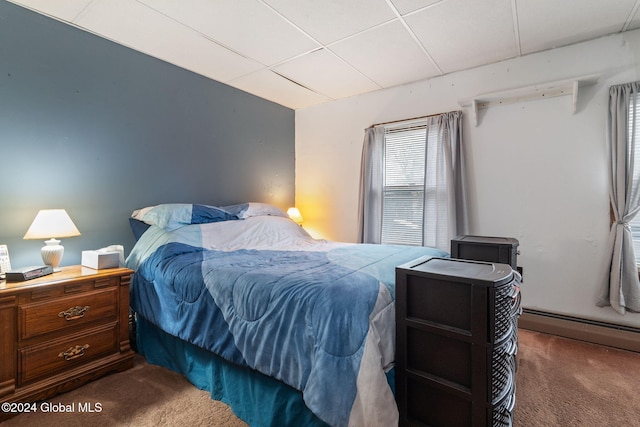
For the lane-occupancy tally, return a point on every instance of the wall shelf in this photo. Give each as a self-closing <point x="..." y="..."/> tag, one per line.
<point x="568" y="87"/>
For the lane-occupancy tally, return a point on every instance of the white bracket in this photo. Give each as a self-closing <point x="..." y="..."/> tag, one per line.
<point x="529" y="93"/>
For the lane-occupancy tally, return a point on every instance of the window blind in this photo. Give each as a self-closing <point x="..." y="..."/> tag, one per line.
<point x="404" y="175"/>
<point x="634" y="154"/>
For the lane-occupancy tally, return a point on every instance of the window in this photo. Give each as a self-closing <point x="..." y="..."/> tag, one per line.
<point x="412" y="189"/>
<point x="634" y="128"/>
<point x="409" y="157"/>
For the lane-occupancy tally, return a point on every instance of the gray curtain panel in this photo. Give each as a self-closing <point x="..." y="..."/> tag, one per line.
<point x="371" y="184"/>
<point x="623" y="290"/>
<point x="445" y="209"/>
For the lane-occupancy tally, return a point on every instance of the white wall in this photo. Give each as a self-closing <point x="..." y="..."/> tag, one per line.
<point x="537" y="171"/>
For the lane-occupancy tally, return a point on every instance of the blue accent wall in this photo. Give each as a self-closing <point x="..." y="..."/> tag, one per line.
<point x="100" y="130"/>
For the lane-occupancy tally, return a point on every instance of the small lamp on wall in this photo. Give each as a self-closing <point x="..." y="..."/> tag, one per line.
<point x="295" y="215"/>
<point x="49" y="224"/>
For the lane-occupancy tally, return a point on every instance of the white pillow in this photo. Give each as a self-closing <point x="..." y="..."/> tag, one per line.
<point x="247" y="210"/>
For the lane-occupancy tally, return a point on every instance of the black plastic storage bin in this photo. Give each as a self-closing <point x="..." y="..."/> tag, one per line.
<point x="456" y="338"/>
<point x="503" y="250"/>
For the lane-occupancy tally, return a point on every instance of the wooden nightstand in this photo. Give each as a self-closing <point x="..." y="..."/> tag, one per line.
<point x="60" y="331"/>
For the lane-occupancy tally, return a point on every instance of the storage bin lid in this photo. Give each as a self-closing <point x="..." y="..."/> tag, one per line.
<point x="480" y="272"/>
<point x="490" y="240"/>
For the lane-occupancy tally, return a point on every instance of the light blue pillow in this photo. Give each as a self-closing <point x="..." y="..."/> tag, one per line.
<point x="171" y="216"/>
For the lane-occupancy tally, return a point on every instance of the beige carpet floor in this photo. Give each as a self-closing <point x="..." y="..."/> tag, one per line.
<point x="144" y="396"/>
<point x="567" y="383"/>
<point x="560" y="382"/>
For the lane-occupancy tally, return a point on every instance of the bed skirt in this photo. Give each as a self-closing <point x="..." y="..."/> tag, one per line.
<point x="257" y="399"/>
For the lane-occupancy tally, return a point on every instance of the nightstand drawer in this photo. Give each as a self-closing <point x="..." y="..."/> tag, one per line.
<point x="63" y="313"/>
<point x="42" y="360"/>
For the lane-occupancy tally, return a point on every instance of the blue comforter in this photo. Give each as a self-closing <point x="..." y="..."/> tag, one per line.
<point x="321" y="321"/>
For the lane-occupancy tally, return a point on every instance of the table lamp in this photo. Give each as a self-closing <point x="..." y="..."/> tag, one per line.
<point x="49" y="224"/>
<point x="294" y="214"/>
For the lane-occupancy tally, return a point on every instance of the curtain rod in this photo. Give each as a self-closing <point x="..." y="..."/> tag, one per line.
<point x="408" y="120"/>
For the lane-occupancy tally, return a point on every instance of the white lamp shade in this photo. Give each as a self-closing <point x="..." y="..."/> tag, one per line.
<point x="295" y="215"/>
<point x="51" y="223"/>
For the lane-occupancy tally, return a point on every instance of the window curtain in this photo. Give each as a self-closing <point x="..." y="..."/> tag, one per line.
<point x="371" y="184"/>
<point x="445" y="207"/>
<point x="623" y="291"/>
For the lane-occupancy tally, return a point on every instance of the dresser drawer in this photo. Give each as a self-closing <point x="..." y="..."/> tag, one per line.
<point x="65" y="313"/>
<point x="43" y="360"/>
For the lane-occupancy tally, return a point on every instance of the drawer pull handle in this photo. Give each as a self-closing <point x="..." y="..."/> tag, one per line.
<point x="74" y="352"/>
<point x="74" y="312"/>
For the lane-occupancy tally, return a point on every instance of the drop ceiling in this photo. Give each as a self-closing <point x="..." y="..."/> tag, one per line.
<point x="300" y="53"/>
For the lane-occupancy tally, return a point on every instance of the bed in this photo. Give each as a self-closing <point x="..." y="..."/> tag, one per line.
<point x="286" y="329"/>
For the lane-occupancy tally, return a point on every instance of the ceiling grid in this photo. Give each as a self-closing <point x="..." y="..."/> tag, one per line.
<point x="300" y="53"/>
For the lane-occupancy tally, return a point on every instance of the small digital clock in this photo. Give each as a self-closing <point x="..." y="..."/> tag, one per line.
<point x="28" y="273"/>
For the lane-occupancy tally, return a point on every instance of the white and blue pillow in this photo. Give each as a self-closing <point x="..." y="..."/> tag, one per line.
<point x="171" y="216"/>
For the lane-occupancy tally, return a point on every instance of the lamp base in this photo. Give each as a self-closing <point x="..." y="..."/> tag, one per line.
<point x="52" y="253"/>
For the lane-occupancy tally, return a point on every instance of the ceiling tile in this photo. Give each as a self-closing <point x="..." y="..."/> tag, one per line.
<point x="635" y="22"/>
<point x="388" y="55"/>
<point x="133" y="24"/>
<point x="271" y="86"/>
<point x="247" y="27"/>
<point x="406" y="6"/>
<point x="323" y="72"/>
<point x="65" y="10"/>
<point x="331" y="20"/>
<point x="461" y="34"/>
<point x="544" y="25"/>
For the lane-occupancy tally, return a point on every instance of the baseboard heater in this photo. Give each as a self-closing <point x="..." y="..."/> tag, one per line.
<point x="603" y="333"/>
